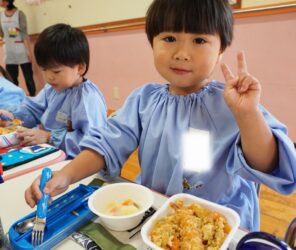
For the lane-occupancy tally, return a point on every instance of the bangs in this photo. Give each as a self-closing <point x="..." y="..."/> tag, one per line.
<point x="187" y="17"/>
<point x="61" y="44"/>
<point x="55" y="56"/>
<point x="190" y="16"/>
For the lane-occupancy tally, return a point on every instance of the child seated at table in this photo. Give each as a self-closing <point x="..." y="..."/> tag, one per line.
<point x="10" y="94"/>
<point x="243" y="142"/>
<point x="69" y="106"/>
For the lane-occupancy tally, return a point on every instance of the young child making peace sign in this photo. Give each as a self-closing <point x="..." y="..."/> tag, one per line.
<point x="244" y="145"/>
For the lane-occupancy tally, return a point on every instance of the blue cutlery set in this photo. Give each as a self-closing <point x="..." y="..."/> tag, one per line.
<point x="59" y="219"/>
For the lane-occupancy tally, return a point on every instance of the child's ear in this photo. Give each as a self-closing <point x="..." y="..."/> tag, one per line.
<point x="81" y="68"/>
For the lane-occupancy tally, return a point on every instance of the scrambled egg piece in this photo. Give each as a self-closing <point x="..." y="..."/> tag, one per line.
<point x="12" y="128"/>
<point x="190" y="227"/>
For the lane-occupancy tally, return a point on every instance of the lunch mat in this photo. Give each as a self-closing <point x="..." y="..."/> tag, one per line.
<point x="16" y="157"/>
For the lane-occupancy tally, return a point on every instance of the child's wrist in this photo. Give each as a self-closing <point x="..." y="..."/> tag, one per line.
<point x="248" y="117"/>
<point x="48" y="137"/>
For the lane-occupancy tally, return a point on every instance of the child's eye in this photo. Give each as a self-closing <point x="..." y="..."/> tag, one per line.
<point x="199" y="41"/>
<point x="169" y="39"/>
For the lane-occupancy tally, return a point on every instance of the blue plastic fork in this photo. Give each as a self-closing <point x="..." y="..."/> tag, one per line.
<point x="40" y="221"/>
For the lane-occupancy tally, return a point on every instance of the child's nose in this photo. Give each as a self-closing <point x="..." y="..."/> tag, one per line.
<point x="49" y="77"/>
<point x="182" y="53"/>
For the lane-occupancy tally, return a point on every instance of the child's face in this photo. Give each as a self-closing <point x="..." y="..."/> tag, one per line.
<point x="62" y="77"/>
<point x="186" y="60"/>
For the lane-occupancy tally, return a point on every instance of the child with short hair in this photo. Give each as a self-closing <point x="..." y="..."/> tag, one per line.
<point x="69" y="106"/>
<point x="247" y="144"/>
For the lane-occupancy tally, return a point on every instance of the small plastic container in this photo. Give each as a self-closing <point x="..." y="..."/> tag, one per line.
<point x="232" y="217"/>
<point x="8" y="140"/>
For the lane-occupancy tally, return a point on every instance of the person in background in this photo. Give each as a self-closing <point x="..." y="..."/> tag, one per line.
<point x="69" y="106"/>
<point x="10" y="95"/>
<point x="244" y="144"/>
<point x="17" y="50"/>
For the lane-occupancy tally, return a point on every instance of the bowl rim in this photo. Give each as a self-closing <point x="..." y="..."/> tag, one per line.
<point x="10" y="136"/>
<point x="108" y="186"/>
<point x="158" y="215"/>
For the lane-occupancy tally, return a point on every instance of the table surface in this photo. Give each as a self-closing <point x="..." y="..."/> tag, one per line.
<point x="15" y="207"/>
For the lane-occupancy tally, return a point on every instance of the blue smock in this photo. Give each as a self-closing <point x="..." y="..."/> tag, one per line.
<point x="155" y="120"/>
<point x="68" y="115"/>
<point x="10" y="95"/>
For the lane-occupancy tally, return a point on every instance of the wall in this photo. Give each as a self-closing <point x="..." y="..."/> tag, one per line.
<point x="270" y="46"/>
<point x="80" y="13"/>
<point x="124" y="60"/>
<point x="87" y="12"/>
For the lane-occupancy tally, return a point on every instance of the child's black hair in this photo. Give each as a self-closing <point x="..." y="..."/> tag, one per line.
<point x="10" y="5"/>
<point x="191" y="16"/>
<point x="61" y="44"/>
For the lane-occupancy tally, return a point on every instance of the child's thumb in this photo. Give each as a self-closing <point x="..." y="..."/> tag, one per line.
<point x="50" y="186"/>
<point x="55" y="186"/>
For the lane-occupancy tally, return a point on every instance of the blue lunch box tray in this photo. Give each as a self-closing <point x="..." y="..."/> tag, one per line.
<point x="64" y="216"/>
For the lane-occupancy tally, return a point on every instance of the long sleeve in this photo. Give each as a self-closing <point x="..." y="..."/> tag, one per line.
<point x="88" y="113"/>
<point x="119" y="138"/>
<point x="11" y="96"/>
<point x="156" y="121"/>
<point x="283" y="178"/>
<point x="32" y="109"/>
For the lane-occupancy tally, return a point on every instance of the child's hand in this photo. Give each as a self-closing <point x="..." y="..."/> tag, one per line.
<point x="5" y="118"/>
<point x="57" y="185"/>
<point x="242" y="92"/>
<point x="30" y="137"/>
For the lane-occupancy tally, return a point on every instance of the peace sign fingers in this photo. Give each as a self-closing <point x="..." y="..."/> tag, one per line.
<point x="242" y="69"/>
<point x="242" y="85"/>
<point x="228" y="75"/>
<point x="230" y="80"/>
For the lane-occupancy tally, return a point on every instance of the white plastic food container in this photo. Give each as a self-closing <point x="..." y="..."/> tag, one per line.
<point x="232" y="217"/>
<point x="8" y="140"/>
<point x="99" y="200"/>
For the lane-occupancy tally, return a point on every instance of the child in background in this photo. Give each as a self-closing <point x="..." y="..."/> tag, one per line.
<point x="247" y="144"/>
<point x="10" y="95"/>
<point x="69" y="106"/>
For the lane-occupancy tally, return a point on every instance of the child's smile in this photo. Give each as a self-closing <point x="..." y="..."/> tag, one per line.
<point x="186" y="60"/>
<point x="180" y="71"/>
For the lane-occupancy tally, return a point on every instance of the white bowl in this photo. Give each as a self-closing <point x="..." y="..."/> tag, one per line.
<point x="99" y="200"/>
<point x="232" y="217"/>
<point x="8" y="140"/>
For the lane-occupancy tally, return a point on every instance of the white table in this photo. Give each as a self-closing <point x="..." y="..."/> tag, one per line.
<point x="15" y="208"/>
